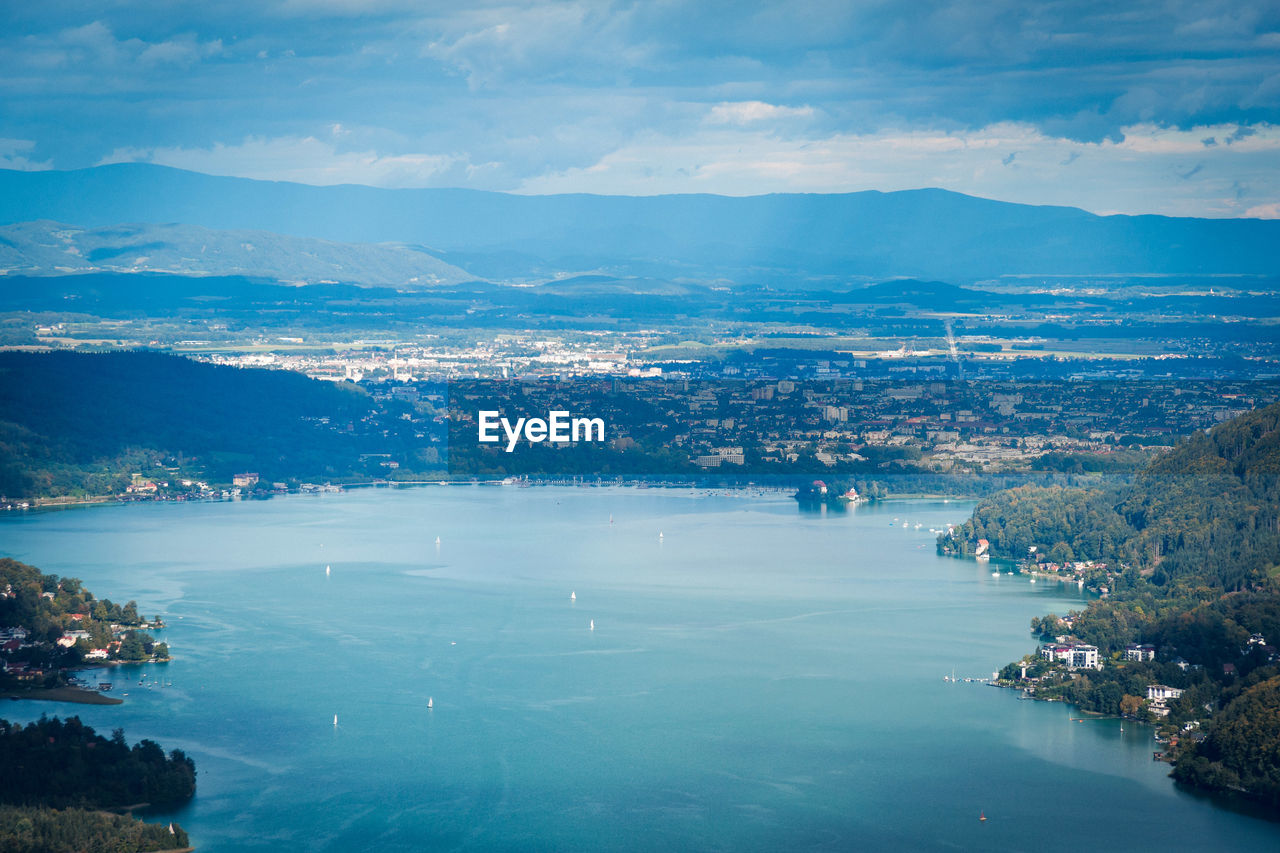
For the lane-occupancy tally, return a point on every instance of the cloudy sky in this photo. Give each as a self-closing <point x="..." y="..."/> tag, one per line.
<point x="1138" y="107"/>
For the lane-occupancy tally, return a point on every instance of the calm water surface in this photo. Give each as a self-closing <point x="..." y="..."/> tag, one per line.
<point x="756" y="679"/>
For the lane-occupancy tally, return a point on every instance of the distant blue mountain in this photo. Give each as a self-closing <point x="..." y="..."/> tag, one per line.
<point x="926" y="233"/>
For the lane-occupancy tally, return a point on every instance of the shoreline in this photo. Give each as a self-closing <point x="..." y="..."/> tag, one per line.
<point x="64" y="502"/>
<point x="74" y="695"/>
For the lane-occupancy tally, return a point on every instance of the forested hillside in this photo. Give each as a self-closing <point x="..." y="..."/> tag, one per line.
<point x="80" y="423"/>
<point x="1207" y="513"/>
<point x="1187" y="556"/>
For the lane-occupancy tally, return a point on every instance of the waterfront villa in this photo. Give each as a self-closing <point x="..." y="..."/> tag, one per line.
<point x="1074" y="655"/>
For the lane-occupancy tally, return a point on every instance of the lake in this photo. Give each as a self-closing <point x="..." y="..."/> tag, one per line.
<point x="757" y="678"/>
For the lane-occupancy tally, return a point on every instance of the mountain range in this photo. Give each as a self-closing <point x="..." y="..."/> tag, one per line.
<point x="53" y="248"/>
<point x="793" y="239"/>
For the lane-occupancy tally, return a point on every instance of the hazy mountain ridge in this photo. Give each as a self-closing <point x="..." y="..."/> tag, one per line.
<point x="922" y="233"/>
<point x="52" y="248"/>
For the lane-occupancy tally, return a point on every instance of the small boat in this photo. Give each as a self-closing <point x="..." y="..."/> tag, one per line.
<point x="573" y="596"/>
<point x="430" y="703"/>
<point x="1033" y="580"/>
<point x="995" y="574"/>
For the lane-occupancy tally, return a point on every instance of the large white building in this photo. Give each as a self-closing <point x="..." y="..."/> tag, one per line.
<point x="1133" y="651"/>
<point x="1161" y="692"/>
<point x="1074" y="655"/>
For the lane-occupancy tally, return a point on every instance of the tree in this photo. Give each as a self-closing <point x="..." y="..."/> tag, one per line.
<point x="132" y="647"/>
<point x="1061" y="553"/>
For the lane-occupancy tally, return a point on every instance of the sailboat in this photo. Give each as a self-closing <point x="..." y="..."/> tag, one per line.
<point x="437" y="540"/>
<point x="982" y="816"/>
<point x="593" y="624"/>
<point x="430" y="703"/>
<point x="335" y="721"/>
<point x="660" y="537"/>
<point x="573" y="596"/>
<point x="326" y="571"/>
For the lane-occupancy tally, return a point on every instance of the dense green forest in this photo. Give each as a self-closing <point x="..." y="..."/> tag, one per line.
<point x="1204" y="515"/>
<point x="57" y="773"/>
<point x="43" y="830"/>
<point x="1189" y="555"/>
<point x="83" y="423"/>
<point x="66" y="764"/>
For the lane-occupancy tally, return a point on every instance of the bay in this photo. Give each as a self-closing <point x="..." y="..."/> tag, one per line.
<point x="757" y="678"/>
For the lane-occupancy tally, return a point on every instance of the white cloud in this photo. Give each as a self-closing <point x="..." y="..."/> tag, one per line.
<point x="184" y="50"/>
<point x="301" y="159"/>
<point x="14" y="155"/>
<point x="94" y="50"/>
<point x="1264" y="211"/>
<point x="750" y="112"/>
<point x="545" y="41"/>
<point x="1149" y="171"/>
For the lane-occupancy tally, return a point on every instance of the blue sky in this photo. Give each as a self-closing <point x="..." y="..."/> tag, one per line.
<point x="1136" y="107"/>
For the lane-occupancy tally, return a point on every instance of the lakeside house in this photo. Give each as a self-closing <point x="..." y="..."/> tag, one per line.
<point x="1074" y="655"/>
<point x="1161" y="692"/>
<point x="1157" y="694"/>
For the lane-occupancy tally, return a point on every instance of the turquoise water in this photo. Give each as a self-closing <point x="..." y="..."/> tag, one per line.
<point x="758" y="678"/>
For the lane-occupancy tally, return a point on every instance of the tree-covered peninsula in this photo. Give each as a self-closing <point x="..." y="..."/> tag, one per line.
<point x="49" y="625"/>
<point x="1186" y="562"/>
<point x="59" y="777"/>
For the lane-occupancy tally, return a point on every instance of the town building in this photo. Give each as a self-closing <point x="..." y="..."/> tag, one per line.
<point x="1137" y="652"/>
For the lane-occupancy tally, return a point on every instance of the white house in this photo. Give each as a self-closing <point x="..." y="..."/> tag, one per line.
<point x="1133" y="651"/>
<point x="1161" y="692"/>
<point x="1074" y="655"/>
